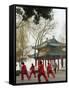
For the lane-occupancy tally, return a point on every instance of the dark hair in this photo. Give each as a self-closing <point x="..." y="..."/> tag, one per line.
<point x="22" y="63"/>
<point x="32" y="64"/>
<point x="40" y="62"/>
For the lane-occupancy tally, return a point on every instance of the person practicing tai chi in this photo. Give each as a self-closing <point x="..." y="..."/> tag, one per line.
<point x="41" y="71"/>
<point x="24" y="71"/>
<point x="32" y="71"/>
<point x="50" y="71"/>
<point x="55" y="67"/>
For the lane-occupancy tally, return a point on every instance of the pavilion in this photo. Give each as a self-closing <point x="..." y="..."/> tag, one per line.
<point x="50" y="51"/>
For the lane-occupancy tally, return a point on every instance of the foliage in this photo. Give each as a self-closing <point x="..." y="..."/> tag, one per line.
<point x="38" y="12"/>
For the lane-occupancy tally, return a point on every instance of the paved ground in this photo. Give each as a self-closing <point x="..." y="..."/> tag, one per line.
<point x="60" y="76"/>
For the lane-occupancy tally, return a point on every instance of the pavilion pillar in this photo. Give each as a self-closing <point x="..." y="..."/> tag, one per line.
<point x="62" y="62"/>
<point x="58" y="64"/>
<point x="35" y="62"/>
<point x="48" y="60"/>
<point x="54" y="61"/>
<point x="45" y="63"/>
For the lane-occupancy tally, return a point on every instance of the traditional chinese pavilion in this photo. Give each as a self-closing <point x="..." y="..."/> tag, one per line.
<point x="50" y="51"/>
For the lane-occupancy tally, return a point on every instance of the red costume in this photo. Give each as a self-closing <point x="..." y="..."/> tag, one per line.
<point x="24" y="72"/>
<point x="41" y="72"/>
<point x="50" y="71"/>
<point x="32" y="71"/>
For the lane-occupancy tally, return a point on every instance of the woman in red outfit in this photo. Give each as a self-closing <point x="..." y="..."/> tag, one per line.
<point x="41" y="71"/>
<point x="32" y="71"/>
<point x="24" y="71"/>
<point x="50" y="71"/>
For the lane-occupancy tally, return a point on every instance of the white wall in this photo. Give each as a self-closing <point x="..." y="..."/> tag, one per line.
<point x="4" y="44"/>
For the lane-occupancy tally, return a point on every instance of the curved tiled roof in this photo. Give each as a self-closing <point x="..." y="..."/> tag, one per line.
<point x="51" y="42"/>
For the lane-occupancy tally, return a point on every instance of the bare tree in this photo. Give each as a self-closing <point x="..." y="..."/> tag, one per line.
<point x="24" y="14"/>
<point x="39" y="35"/>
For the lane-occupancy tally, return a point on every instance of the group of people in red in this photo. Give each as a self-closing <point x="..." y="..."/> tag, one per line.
<point x="41" y="71"/>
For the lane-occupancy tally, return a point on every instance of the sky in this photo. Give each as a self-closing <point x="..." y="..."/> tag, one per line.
<point x="60" y="19"/>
